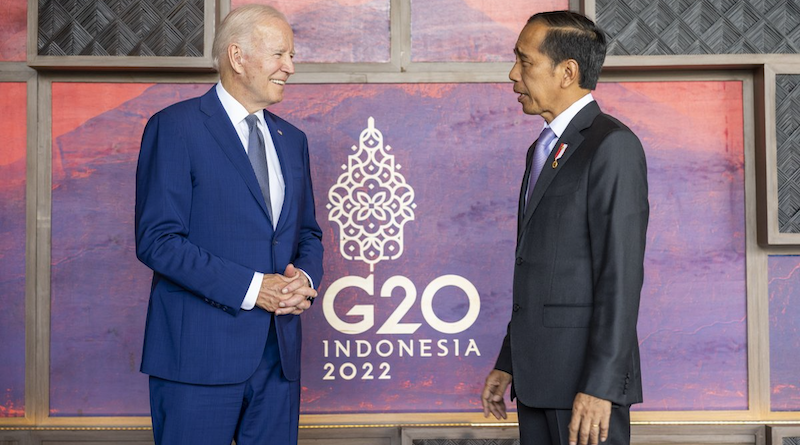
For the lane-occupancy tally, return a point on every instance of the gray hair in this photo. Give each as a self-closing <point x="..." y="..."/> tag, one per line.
<point x="238" y="27"/>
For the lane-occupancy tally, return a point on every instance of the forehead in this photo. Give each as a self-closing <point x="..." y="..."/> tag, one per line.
<point x="273" y="32"/>
<point x="531" y="38"/>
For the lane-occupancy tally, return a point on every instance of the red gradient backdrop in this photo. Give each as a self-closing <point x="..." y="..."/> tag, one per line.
<point x="13" y="128"/>
<point x="13" y="24"/>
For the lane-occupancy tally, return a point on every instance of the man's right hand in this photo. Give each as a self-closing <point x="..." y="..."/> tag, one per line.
<point x="285" y="294"/>
<point x="493" y="393"/>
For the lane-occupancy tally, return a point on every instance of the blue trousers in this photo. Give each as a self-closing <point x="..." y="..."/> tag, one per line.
<point x="263" y="410"/>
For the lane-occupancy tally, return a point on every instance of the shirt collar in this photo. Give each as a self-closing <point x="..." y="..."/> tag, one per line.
<point x="559" y="124"/>
<point x="236" y="111"/>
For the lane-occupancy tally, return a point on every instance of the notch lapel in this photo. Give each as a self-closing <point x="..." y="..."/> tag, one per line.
<point x="573" y="138"/>
<point x="278" y="139"/>
<point x="221" y="128"/>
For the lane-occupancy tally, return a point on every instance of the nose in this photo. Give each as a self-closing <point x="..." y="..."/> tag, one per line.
<point x="288" y="65"/>
<point x="514" y="73"/>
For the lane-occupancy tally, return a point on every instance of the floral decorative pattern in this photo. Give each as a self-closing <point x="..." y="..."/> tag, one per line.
<point x="371" y="201"/>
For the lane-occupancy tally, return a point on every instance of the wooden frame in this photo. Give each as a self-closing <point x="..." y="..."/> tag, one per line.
<point x="757" y="304"/>
<point x="739" y="434"/>
<point x="776" y="434"/>
<point x="769" y="233"/>
<point x="18" y="72"/>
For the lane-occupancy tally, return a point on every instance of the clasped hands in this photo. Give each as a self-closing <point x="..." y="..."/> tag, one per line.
<point x="290" y="293"/>
<point x="590" y="415"/>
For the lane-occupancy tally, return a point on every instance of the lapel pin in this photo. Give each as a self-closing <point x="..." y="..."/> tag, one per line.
<point x="280" y="132"/>
<point x="560" y="152"/>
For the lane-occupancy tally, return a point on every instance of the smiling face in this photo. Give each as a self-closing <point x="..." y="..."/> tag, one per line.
<point x="536" y="80"/>
<point x="262" y="65"/>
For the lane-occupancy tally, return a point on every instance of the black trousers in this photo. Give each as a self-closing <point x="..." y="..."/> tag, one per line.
<point x="539" y="426"/>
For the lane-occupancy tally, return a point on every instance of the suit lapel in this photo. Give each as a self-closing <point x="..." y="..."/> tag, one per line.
<point x="573" y="138"/>
<point x="221" y="128"/>
<point x="283" y="157"/>
<point x="524" y="189"/>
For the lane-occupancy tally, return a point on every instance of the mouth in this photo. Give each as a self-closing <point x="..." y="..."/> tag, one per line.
<point x="278" y="82"/>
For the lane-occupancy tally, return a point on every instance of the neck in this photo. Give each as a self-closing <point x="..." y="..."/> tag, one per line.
<point x="237" y="92"/>
<point x="570" y="97"/>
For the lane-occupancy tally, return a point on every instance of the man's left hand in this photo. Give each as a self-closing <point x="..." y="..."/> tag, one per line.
<point x="590" y="418"/>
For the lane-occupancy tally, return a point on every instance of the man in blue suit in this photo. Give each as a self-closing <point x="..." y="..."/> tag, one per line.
<point x="225" y="218"/>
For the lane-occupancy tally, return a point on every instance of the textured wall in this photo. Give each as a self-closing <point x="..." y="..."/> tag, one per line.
<point x="661" y="27"/>
<point x="121" y="28"/>
<point x="787" y="131"/>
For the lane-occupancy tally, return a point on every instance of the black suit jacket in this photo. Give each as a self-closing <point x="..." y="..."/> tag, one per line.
<point x="579" y="270"/>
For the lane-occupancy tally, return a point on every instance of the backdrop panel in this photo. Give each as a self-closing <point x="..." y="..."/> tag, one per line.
<point x="13" y="127"/>
<point x="784" y="331"/>
<point x="338" y="31"/>
<point x="471" y="30"/>
<point x="99" y="288"/>
<point x="13" y="26"/>
<point x="418" y="266"/>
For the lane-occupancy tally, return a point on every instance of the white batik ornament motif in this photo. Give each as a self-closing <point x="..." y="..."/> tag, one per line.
<point x="371" y="202"/>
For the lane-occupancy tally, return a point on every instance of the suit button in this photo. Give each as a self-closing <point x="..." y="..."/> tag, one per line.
<point x="275" y="243"/>
<point x="516" y="308"/>
<point x="520" y="261"/>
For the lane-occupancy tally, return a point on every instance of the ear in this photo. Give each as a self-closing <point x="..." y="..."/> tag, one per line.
<point x="570" y="73"/>
<point x="236" y="57"/>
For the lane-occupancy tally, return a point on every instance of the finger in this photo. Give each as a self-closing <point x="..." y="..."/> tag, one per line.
<point x="501" y="409"/>
<point x="574" y="426"/>
<point x="594" y="433"/>
<point x="584" y="431"/>
<point x="604" y="427"/>
<point x="296" y="297"/>
<point x="487" y="392"/>
<point x="291" y="271"/>
<point x="292" y="301"/>
<point x="293" y="285"/>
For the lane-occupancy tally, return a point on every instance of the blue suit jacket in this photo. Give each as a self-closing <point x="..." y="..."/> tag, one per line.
<point x="203" y="228"/>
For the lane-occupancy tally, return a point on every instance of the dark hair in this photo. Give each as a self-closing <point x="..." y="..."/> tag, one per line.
<point x="571" y="35"/>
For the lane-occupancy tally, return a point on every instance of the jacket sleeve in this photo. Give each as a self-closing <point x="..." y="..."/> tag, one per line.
<point x="309" y="248"/>
<point x="618" y="212"/>
<point x="503" y="362"/>
<point x="163" y="208"/>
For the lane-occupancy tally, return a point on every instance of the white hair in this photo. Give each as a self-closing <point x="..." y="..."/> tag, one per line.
<point x="238" y="27"/>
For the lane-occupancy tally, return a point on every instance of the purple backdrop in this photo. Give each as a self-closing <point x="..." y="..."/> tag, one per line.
<point x="461" y="148"/>
<point x="336" y="31"/>
<point x="784" y="331"/>
<point x="471" y="30"/>
<point x="13" y="103"/>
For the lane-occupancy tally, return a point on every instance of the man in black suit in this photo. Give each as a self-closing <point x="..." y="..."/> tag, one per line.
<point x="571" y="351"/>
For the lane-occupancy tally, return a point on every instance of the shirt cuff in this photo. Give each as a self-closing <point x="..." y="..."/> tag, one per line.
<point x="252" y="292"/>
<point x="310" y="281"/>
